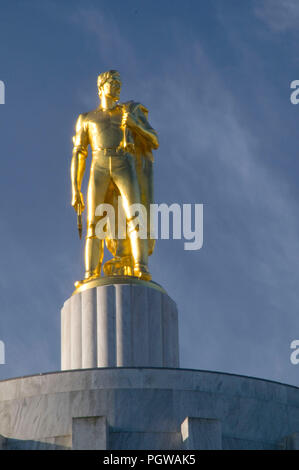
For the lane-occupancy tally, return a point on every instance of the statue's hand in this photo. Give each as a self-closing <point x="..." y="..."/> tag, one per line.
<point x="78" y="199"/>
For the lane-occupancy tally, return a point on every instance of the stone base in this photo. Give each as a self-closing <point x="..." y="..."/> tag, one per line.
<point x="126" y="324"/>
<point x="147" y="408"/>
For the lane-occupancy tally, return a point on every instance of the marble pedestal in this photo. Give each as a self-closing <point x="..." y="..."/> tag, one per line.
<point x="121" y="324"/>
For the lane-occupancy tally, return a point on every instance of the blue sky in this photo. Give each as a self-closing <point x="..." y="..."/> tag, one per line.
<point x="216" y="78"/>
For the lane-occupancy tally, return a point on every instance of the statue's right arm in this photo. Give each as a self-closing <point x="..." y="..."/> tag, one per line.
<point x="78" y="164"/>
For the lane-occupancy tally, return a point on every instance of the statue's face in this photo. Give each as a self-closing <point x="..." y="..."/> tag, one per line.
<point x="111" y="87"/>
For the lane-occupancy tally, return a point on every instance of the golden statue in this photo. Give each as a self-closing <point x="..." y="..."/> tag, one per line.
<point x="122" y="141"/>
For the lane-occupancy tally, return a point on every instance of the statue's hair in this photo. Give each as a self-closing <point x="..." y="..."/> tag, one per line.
<point x="103" y="77"/>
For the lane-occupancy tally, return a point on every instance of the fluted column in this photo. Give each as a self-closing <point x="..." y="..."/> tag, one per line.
<point x="119" y="325"/>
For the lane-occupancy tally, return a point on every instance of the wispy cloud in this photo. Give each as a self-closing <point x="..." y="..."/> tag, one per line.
<point x="250" y="212"/>
<point x="113" y="46"/>
<point x="279" y="15"/>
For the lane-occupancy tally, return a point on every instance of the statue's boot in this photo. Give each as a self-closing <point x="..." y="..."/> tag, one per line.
<point x="141" y="271"/>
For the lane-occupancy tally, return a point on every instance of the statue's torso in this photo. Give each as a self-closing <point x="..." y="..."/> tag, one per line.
<point x="104" y="128"/>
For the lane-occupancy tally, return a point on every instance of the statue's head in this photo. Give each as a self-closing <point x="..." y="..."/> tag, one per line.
<point x="109" y="84"/>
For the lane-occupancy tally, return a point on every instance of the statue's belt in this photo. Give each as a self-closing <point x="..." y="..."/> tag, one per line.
<point x="110" y="151"/>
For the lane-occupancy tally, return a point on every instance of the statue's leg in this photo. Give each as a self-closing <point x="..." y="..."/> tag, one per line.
<point x="144" y="169"/>
<point x="94" y="252"/>
<point x="94" y="247"/>
<point x="125" y="178"/>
